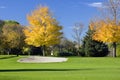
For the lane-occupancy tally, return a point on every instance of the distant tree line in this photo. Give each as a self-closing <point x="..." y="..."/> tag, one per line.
<point x="13" y="42"/>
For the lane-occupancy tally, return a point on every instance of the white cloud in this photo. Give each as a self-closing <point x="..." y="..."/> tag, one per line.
<point x="2" y="7"/>
<point x="97" y="5"/>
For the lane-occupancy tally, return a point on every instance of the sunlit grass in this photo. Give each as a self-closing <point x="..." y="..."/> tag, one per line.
<point x="76" y="68"/>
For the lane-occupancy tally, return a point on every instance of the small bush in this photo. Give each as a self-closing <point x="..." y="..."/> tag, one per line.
<point x="81" y="52"/>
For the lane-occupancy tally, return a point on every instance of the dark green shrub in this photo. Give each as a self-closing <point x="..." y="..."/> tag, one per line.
<point x="65" y="54"/>
<point x="81" y="52"/>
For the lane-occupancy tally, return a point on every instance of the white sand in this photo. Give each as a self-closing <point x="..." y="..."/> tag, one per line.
<point x="40" y="59"/>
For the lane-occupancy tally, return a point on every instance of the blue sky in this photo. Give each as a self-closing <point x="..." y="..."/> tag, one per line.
<point x="67" y="12"/>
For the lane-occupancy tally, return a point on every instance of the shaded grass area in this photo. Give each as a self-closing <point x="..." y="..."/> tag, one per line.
<point x="7" y="57"/>
<point x="75" y="68"/>
<point x="29" y="70"/>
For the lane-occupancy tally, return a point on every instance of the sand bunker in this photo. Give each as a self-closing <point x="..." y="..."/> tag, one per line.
<point x="40" y="59"/>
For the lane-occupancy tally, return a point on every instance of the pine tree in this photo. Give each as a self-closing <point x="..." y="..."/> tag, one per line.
<point x="93" y="48"/>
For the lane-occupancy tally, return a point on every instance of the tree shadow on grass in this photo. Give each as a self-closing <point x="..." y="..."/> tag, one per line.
<point x="30" y="70"/>
<point x="7" y="57"/>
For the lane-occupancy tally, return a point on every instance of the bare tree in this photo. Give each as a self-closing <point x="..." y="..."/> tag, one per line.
<point x="77" y="33"/>
<point x="111" y="10"/>
<point x="114" y="14"/>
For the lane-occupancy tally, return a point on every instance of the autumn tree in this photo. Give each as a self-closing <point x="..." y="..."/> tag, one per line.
<point x="12" y="36"/>
<point x="108" y="29"/>
<point x="43" y="29"/>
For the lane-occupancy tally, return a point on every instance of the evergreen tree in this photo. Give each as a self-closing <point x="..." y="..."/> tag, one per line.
<point x="93" y="48"/>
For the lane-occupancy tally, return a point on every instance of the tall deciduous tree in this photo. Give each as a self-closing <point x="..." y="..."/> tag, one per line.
<point x="77" y="34"/>
<point x="108" y="30"/>
<point x="43" y="28"/>
<point x="12" y="36"/>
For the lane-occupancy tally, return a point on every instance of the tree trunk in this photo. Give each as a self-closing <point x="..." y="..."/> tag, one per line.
<point x="43" y="50"/>
<point x="17" y="54"/>
<point x="8" y="52"/>
<point x="114" y="49"/>
<point x="78" y="51"/>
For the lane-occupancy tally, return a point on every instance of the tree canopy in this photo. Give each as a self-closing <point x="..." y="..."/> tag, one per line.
<point x="106" y="31"/>
<point x="43" y="29"/>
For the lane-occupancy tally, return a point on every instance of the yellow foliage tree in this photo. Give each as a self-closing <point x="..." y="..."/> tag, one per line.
<point x="43" y="29"/>
<point x="12" y="36"/>
<point x="106" y="31"/>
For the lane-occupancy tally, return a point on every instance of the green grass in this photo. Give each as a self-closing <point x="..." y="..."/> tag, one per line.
<point x="76" y="68"/>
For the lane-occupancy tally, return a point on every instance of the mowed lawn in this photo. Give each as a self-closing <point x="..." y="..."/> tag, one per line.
<point x="76" y="68"/>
